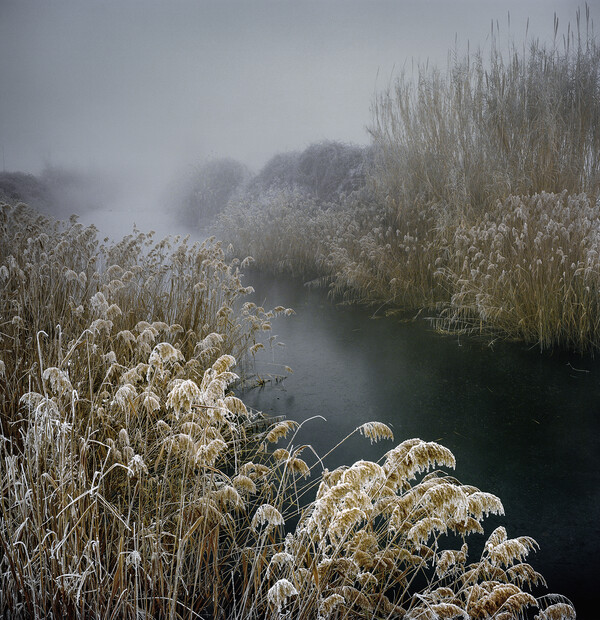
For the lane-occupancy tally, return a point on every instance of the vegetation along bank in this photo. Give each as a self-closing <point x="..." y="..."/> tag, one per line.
<point x="135" y="483"/>
<point x="477" y="201"/>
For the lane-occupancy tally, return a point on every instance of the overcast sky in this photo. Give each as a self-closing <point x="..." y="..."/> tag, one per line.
<point x="158" y="84"/>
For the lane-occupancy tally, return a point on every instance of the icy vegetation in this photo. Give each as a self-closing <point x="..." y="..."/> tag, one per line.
<point x="135" y="484"/>
<point x="478" y="200"/>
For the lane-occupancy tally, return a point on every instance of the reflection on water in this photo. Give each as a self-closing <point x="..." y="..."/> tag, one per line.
<point x="522" y="425"/>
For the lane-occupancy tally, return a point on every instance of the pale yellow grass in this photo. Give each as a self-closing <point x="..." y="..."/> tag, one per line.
<point x="135" y="484"/>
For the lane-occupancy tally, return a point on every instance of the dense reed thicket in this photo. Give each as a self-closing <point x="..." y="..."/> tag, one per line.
<point x="515" y="123"/>
<point x="480" y="201"/>
<point x="268" y="229"/>
<point x="135" y="484"/>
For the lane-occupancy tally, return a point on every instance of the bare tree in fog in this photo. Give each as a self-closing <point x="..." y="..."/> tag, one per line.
<point x="324" y="170"/>
<point x="209" y="190"/>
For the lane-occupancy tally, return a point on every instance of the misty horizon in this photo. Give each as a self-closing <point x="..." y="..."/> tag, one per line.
<point x="145" y="93"/>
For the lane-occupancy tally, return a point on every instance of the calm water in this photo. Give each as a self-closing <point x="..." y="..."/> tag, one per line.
<point x="522" y="425"/>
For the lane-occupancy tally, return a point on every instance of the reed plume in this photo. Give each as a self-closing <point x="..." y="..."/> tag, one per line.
<point x="134" y="483"/>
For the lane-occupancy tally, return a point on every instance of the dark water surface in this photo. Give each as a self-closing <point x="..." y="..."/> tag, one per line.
<point x="522" y="425"/>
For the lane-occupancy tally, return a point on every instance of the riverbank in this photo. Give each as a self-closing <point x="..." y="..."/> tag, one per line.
<point x="478" y="200"/>
<point x="136" y="483"/>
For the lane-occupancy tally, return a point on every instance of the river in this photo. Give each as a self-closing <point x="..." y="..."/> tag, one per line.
<point x="523" y="425"/>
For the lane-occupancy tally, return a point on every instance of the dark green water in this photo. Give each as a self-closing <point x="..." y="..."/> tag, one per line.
<point x="522" y="425"/>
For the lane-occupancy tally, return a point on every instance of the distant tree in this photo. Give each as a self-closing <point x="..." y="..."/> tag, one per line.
<point x="325" y="171"/>
<point x="22" y="187"/>
<point x="209" y="190"/>
<point x="58" y="192"/>
<point x="282" y="170"/>
<point x="329" y="169"/>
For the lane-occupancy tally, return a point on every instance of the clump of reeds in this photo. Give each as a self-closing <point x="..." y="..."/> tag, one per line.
<point x="62" y="290"/>
<point x="530" y="268"/>
<point x="459" y="155"/>
<point x="284" y="230"/>
<point x="515" y="123"/>
<point x="134" y="483"/>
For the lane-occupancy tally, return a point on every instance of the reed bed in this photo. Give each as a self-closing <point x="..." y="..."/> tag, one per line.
<point x="531" y="269"/>
<point x="515" y="122"/>
<point x="481" y="199"/>
<point x="284" y="231"/>
<point x="135" y="484"/>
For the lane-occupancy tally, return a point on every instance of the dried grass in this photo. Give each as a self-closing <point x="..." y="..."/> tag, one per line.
<point x="482" y="201"/>
<point x="135" y="484"/>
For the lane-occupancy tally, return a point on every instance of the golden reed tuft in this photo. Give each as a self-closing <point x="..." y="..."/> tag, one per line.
<point x="136" y="484"/>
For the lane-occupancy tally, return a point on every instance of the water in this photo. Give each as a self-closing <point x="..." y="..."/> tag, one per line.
<point x="522" y="425"/>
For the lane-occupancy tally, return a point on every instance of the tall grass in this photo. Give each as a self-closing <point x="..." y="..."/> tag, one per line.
<point x="283" y="230"/>
<point x="531" y="269"/>
<point x="503" y="153"/>
<point x="134" y="483"/>
<point x="506" y="144"/>
<point x="515" y="123"/>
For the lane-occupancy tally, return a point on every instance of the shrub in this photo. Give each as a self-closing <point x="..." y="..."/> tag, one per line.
<point x="281" y="171"/>
<point x="21" y="187"/>
<point x="57" y="191"/>
<point x="329" y="170"/>
<point x="324" y="171"/>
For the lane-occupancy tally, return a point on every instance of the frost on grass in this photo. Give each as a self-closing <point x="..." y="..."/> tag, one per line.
<point x="135" y="483"/>
<point x="279" y="594"/>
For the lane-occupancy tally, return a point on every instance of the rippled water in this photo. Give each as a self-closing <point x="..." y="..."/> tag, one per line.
<point x="522" y="425"/>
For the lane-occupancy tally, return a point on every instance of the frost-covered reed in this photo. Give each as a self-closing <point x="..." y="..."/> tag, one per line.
<point x="481" y="203"/>
<point x="284" y="230"/>
<point x="515" y="122"/>
<point x="135" y="484"/>
<point x="530" y="268"/>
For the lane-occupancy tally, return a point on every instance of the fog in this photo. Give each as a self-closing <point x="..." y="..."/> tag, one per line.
<point x="146" y="90"/>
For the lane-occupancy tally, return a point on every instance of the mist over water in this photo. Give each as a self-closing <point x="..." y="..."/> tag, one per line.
<point x="144" y="90"/>
<point x="143" y="93"/>
<point x="140" y="201"/>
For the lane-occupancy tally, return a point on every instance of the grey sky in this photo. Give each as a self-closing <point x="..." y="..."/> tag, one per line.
<point x="156" y="85"/>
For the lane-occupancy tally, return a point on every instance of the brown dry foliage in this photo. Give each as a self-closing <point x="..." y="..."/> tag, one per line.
<point x="134" y="483"/>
